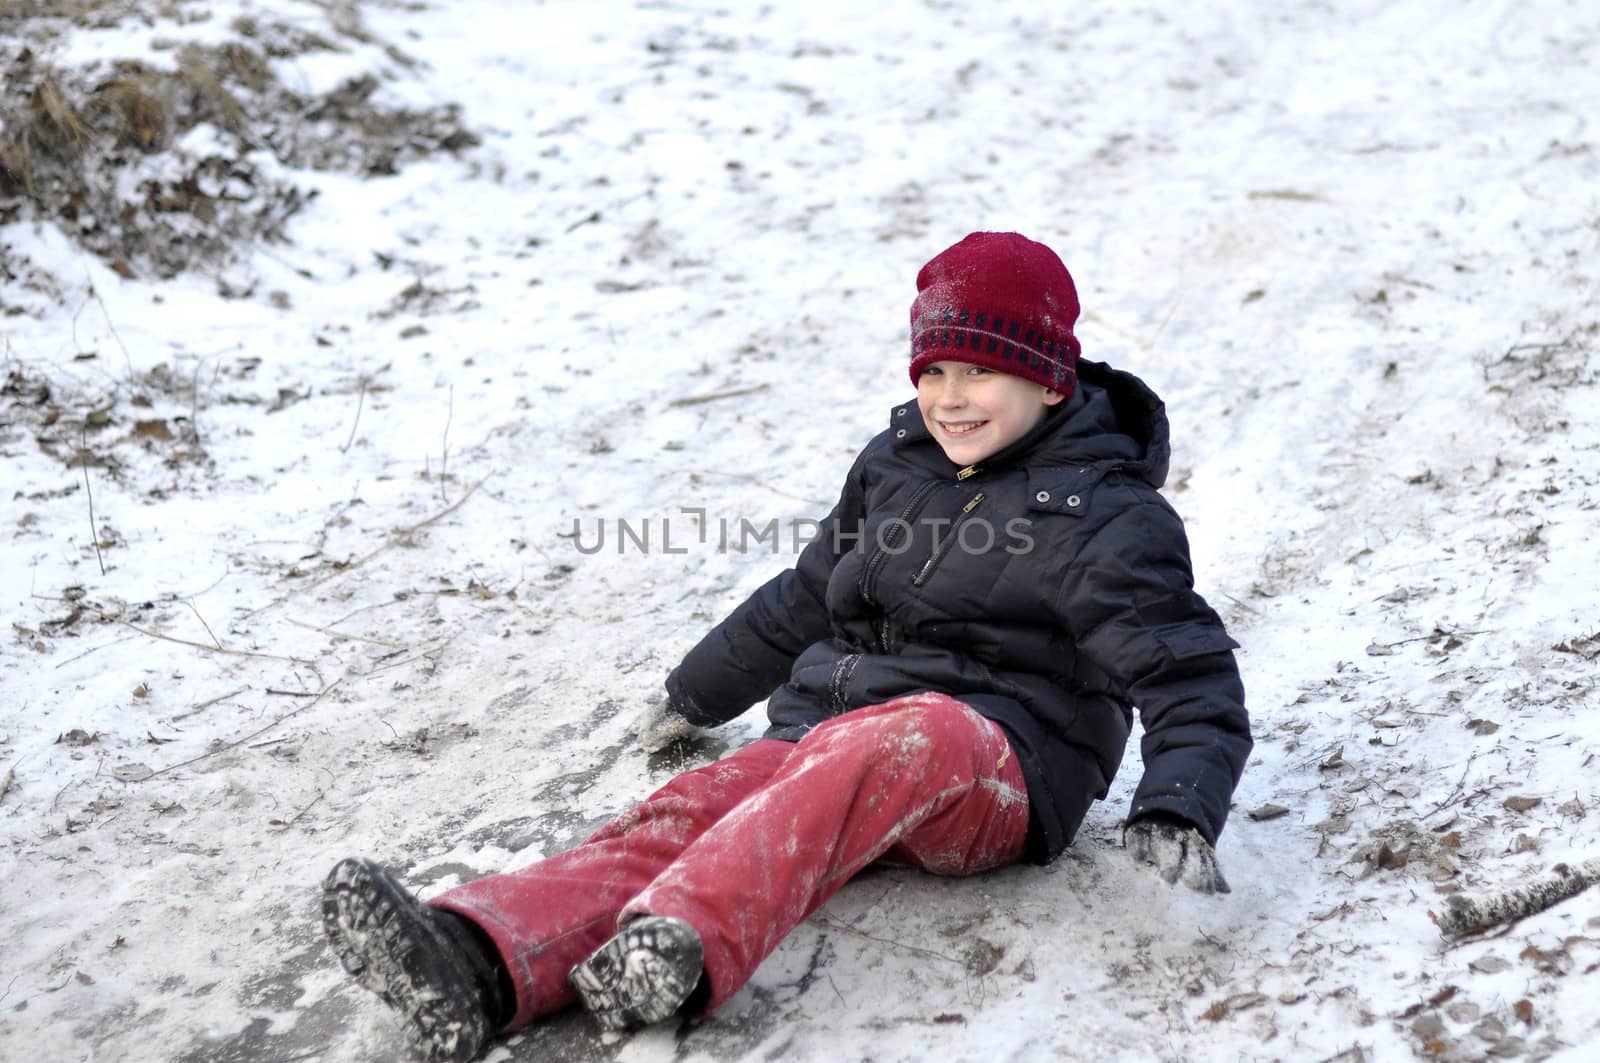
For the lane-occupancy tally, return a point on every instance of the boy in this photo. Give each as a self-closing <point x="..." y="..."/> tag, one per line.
<point x="950" y="670"/>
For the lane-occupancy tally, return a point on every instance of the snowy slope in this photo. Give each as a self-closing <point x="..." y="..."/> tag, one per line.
<point x="343" y="608"/>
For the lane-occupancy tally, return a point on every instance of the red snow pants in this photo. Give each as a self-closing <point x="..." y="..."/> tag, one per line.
<point x="744" y="849"/>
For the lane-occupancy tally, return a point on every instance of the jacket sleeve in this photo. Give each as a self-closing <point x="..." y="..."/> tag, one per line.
<point x="744" y="659"/>
<point x="1129" y="602"/>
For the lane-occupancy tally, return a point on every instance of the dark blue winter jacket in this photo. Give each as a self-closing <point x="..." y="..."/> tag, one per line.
<point x="1049" y="587"/>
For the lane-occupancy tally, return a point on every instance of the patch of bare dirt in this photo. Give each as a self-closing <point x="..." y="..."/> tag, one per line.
<point x="162" y="167"/>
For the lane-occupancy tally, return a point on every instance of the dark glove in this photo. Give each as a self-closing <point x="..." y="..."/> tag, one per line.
<point x="660" y="725"/>
<point x="1177" y="851"/>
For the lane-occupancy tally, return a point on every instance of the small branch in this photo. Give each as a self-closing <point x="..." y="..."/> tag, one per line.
<point x="112" y="325"/>
<point x="204" y="705"/>
<point x="241" y="741"/>
<point x="1466" y="915"/>
<point x="112" y="618"/>
<point x="203" y="646"/>
<point x="746" y="477"/>
<point x="286" y="824"/>
<point x="203" y="623"/>
<point x="697" y="400"/>
<point x="333" y="633"/>
<point x="1456" y="793"/>
<point x="94" y="534"/>
<point x="95" y="649"/>
<point x="399" y="535"/>
<point x="444" y="457"/>
<point x="848" y="929"/>
<point x="361" y="401"/>
<point x="194" y="401"/>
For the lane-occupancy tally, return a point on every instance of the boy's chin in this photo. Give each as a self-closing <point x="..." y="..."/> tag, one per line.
<point x="966" y="455"/>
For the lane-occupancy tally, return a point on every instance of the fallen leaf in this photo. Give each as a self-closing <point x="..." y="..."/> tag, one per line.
<point x="1244" y="1001"/>
<point x="1522" y="804"/>
<point x="1266" y="812"/>
<point x="1389" y="859"/>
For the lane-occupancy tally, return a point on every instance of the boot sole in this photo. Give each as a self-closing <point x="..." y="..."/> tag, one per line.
<point x="375" y="927"/>
<point x="642" y="975"/>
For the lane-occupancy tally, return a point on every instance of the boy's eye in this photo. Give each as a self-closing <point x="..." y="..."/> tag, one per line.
<point x="977" y="370"/>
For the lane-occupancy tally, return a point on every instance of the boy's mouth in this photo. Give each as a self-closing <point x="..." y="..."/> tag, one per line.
<point x="961" y="428"/>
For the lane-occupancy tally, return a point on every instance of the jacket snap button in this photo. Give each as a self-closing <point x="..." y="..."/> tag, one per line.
<point x="1042" y="496"/>
<point x="1073" y="500"/>
<point x="900" y="434"/>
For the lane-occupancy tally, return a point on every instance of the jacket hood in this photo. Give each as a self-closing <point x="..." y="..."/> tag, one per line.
<point x="1113" y="421"/>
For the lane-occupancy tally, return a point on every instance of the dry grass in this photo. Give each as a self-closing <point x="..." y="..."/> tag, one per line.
<point x="68" y="137"/>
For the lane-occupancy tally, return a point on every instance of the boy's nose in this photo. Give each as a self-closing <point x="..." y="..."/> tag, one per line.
<point x="951" y="393"/>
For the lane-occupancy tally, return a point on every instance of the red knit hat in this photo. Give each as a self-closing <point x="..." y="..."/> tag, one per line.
<point x="1002" y="301"/>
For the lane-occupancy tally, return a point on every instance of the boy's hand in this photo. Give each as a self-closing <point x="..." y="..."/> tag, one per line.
<point x="1177" y="851"/>
<point x="660" y="725"/>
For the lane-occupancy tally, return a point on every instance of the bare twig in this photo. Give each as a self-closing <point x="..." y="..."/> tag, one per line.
<point x="6" y="780"/>
<point x="203" y="623"/>
<point x="94" y="534"/>
<point x="1468" y="915"/>
<point x="762" y="483"/>
<point x="194" y="401"/>
<point x="241" y="741"/>
<point x="697" y="400"/>
<point x="1456" y="793"/>
<point x="333" y="633"/>
<point x="201" y="645"/>
<point x="113" y="618"/>
<point x="112" y="325"/>
<point x="94" y="649"/>
<point x="361" y="400"/>
<point x="444" y="458"/>
<point x="848" y="929"/>
<point x="204" y="705"/>
<point x="286" y="824"/>
<point x="396" y="537"/>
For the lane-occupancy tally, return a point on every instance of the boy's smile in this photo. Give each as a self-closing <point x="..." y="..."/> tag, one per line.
<point x="974" y="412"/>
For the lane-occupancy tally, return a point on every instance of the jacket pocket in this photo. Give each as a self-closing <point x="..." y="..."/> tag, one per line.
<point x="1062" y="490"/>
<point x="1184" y="641"/>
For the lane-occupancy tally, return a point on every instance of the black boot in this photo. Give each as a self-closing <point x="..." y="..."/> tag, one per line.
<point x="642" y="975"/>
<point x="437" y="969"/>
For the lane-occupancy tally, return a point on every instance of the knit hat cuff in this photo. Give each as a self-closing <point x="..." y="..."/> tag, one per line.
<point x="1004" y="346"/>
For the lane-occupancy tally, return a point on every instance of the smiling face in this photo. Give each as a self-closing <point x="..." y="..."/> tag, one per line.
<point x="976" y="412"/>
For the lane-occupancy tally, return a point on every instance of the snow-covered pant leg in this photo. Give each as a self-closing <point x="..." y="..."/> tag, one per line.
<point x="547" y="917"/>
<point x="922" y="779"/>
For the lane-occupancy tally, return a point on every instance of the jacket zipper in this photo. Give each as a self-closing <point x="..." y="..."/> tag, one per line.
<point x="841" y="676"/>
<point x="875" y="562"/>
<point x="944" y="547"/>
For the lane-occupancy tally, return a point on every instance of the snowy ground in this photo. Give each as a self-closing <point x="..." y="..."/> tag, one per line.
<point x="342" y="608"/>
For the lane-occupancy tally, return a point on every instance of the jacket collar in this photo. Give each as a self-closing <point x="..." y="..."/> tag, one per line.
<point x="1113" y="420"/>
